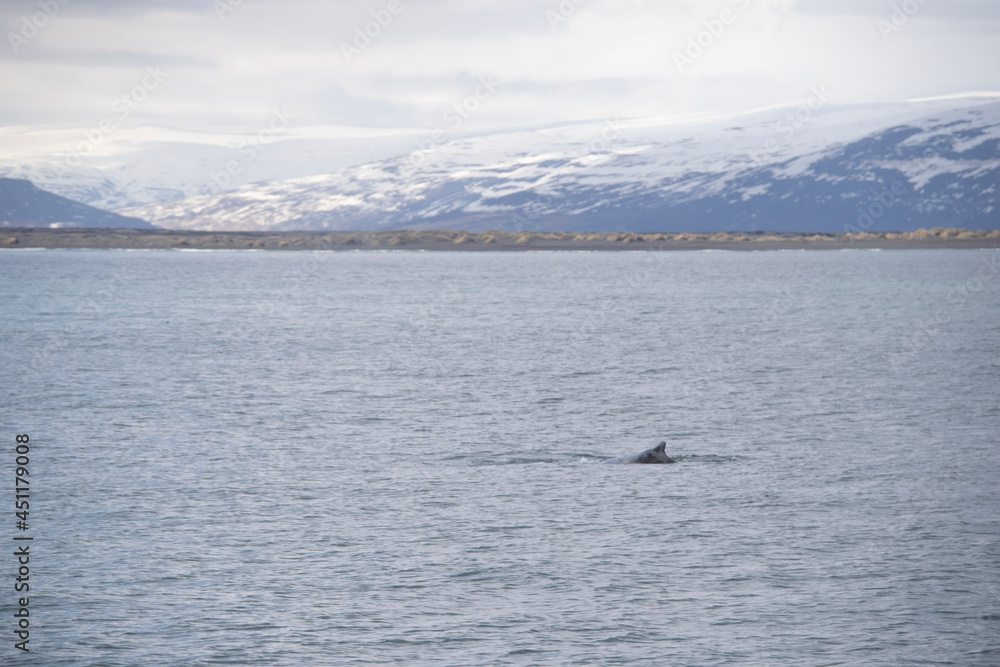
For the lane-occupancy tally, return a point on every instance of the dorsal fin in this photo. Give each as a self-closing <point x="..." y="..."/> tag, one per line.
<point x="661" y="447"/>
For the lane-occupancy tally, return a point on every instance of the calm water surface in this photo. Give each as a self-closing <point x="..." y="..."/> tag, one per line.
<point x="252" y="458"/>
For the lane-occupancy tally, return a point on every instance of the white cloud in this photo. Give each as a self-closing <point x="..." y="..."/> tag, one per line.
<point x="609" y="58"/>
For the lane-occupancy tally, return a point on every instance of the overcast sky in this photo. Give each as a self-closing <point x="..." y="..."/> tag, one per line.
<point x="229" y="64"/>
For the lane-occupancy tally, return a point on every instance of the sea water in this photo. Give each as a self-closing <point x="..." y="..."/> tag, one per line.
<point x="347" y="458"/>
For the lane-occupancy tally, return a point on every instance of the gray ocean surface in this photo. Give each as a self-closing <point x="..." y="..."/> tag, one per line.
<point x="372" y="457"/>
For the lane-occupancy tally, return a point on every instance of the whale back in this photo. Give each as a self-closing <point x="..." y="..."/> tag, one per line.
<point x="655" y="455"/>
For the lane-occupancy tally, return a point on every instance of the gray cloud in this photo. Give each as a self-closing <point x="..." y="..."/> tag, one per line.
<point x="106" y="58"/>
<point x="975" y="10"/>
<point x="605" y="58"/>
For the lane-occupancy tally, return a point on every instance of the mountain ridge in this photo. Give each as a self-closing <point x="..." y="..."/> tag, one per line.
<point x="813" y="168"/>
<point x="22" y="204"/>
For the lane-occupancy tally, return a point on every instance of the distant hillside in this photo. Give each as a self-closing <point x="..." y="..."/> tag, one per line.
<point x="24" y="205"/>
<point x="815" y="168"/>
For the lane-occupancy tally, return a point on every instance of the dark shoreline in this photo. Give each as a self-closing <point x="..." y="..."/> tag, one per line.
<point x="447" y="240"/>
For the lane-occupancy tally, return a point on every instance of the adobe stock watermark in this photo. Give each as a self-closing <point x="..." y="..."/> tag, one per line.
<point x="756" y="326"/>
<point x="927" y="332"/>
<point x="31" y="25"/>
<point x="527" y="217"/>
<point x="705" y="39"/>
<point x="392" y="356"/>
<point x="792" y="122"/>
<point x="250" y="148"/>
<point x="94" y="307"/>
<point x="901" y="15"/>
<point x="593" y="323"/>
<point x="454" y="118"/>
<point x="526" y="222"/>
<point x="121" y="109"/>
<point x="610" y="133"/>
<point x="562" y="12"/>
<point x="223" y="7"/>
<point x="876" y="208"/>
<point x="364" y="34"/>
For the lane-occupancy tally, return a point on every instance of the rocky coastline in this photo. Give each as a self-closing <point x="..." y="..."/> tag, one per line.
<point x="452" y="240"/>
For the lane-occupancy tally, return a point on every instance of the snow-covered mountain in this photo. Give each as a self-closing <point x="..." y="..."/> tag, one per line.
<point x="811" y="168"/>
<point x="24" y="205"/>
<point x="132" y="166"/>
